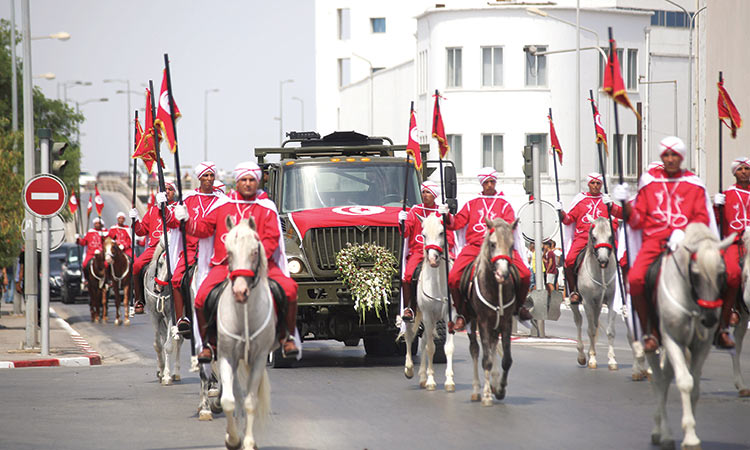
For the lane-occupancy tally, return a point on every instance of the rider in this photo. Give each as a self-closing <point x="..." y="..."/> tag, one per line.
<point x="198" y="203"/>
<point x="411" y="227"/>
<point x="490" y="205"/>
<point x="150" y="226"/>
<point x="240" y="204"/>
<point x="121" y="234"/>
<point x="578" y="220"/>
<point x="736" y="203"/>
<point x="668" y="198"/>
<point x="93" y="240"/>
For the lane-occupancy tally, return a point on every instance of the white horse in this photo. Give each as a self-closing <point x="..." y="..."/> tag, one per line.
<point x="246" y="324"/>
<point x="167" y="341"/>
<point x="690" y="281"/>
<point x="741" y="328"/>
<point x="432" y="301"/>
<point x="209" y="403"/>
<point x="597" y="278"/>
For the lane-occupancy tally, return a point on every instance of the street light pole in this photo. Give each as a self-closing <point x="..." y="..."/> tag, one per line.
<point x="372" y="89"/>
<point x="281" y="108"/>
<point x="301" y="112"/>
<point x="640" y="81"/>
<point x="14" y="76"/>
<point x="205" y="122"/>
<point x="78" y="111"/>
<point x="127" y="115"/>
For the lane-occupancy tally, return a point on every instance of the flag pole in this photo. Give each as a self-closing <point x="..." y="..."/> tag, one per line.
<point x="88" y="212"/>
<point x="445" y="216"/>
<point x="78" y="227"/>
<point x="559" y="221"/>
<point x="183" y="237"/>
<point x="132" y="219"/>
<point x="403" y="208"/>
<point x="721" y="155"/>
<point x="162" y="188"/>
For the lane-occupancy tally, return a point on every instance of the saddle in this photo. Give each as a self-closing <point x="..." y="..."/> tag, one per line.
<point x="579" y="260"/>
<point x="652" y="278"/>
<point x="187" y="279"/>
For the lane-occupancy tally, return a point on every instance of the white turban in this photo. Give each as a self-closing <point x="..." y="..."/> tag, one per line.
<point x="654" y="164"/>
<point x="219" y="186"/>
<point x="739" y="162"/>
<point x="205" y="167"/>
<point x="169" y="184"/>
<point x="487" y="173"/>
<point x="97" y="220"/>
<point x="431" y="187"/>
<point x="672" y="143"/>
<point x="121" y="214"/>
<point x="246" y="168"/>
<point x="594" y="176"/>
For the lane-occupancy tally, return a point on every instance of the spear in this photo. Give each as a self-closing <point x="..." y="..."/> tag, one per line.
<point x="445" y="216"/>
<point x="557" y="191"/>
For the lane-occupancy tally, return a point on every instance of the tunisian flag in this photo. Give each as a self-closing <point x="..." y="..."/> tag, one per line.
<point x="727" y="110"/>
<point x="438" y="130"/>
<point x="412" y="146"/>
<point x="164" y="118"/>
<point x="146" y="149"/>
<point x="613" y="84"/>
<point x="553" y="138"/>
<point x="73" y="203"/>
<point x="90" y="206"/>
<point x="601" y="135"/>
<point x="99" y="201"/>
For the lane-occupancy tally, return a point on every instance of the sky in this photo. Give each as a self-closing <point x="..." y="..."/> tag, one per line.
<point x="243" y="48"/>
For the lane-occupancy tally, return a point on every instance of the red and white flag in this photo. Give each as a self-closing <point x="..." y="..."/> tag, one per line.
<point x="99" y="201"/>
<point x="163" y="116"/>
<point x="146" y="149"/>
<point x="412" y="146"/>
<point x="90" y="206"/>
<point x="601" y="135"/>
<point x="438" y="129"/>
<point x="151" y="201"/>
<point x="553" y="138"/>
<point x="728" y="113"/>
<point x="73" y="203"/>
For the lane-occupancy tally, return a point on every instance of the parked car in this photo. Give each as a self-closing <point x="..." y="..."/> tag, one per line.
<point x="71" y="285"/>
<point x="56" y="260"/>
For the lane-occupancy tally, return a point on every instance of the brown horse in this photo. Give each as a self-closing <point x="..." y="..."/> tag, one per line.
<point x="118" y="276"/>
<point x="96" y="276"/>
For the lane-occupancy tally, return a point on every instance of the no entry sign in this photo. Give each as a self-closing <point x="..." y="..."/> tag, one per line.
<point x="44" y="195"/>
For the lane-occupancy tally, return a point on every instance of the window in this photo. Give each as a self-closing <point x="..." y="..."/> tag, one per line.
<point x="676" y="19"/>
<point x="616" y="165"/>
<point x="344" y="32"/>
<point x="536" y="67"/>
<point x="492" y="66"/>
<point x="492" y="151"/>
<point x="344" y="71"/>
<point x="454" y="140"/>
<point x="631" y="155"/>
<point x="541" y="141"/>
<point x="632" y="78"/>
<point x="454" y="67"/>
<point x="378" y="24"/>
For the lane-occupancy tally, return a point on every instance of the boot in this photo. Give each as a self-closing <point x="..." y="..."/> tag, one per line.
<point x="406" y="291"/>
<point x="458" y="303"/>
<point x="289" y="347"/>
<point x="139" y="304"/>
<point x="726" y="308"/>
<point x="206" y="355"/>
<point x="183" y="324"/>
<point x="571" y="277"/>
<point x="723" y="340"/>
<point x="644" y="311"/>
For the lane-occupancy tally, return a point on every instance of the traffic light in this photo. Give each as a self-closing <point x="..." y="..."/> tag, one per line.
<point x="57" y="164"/>
<point x="528" y="169"/>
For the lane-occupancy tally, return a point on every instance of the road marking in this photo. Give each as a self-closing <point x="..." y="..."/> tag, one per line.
<point x="45" y="195"/>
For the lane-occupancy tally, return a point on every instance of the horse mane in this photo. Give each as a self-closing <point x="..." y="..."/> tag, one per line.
<point x="432" y="225"/>
<point x="697" y="237"/>
<point x="599" y="223"/>
<point x="695" y="233"/>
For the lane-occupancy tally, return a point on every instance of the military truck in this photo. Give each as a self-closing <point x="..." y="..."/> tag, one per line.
<point x="343" y="188"/>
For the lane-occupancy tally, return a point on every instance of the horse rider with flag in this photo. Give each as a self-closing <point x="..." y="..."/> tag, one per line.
<point x="470" y="220"/>
<point x="242" y="203"/>
<point x="578" y="220"/>
<point x="121" y="234"/>
<point x="411" y="225"/>
<point x="150" y="226"/>
<point x="668" y="199"/>
<point x="197" y="203"/>
<point x="93" y="241"/>
<point x="735" y="217"/>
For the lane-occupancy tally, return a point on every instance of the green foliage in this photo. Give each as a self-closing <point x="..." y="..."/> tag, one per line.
<point x="11" y="208"/>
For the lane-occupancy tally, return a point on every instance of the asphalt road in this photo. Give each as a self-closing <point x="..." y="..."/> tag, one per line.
<point x="338" y="398"/>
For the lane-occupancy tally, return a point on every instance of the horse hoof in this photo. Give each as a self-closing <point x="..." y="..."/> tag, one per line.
<point x="592" y="365"/>
<point x="117" y="321"/>
<point x="205" y="416"/>
<point x="667" y="445"/>
<point x="431" y="387"/>
<point x="166" y="381"/>
<point x="475" y="397"/>
<point x="638" y="376"/>
<point x="691" y="447"/>
<point x="655" y="438"/>
<point x="581" y="360"/>
<point x="158" y="375"/>
<point x="233" y="446"/>
<point x="422" y="384"/>
<point x="500" y="395"/>
<point x="127" y="322"/>
<point x="176" y="378"/>
<point x="487" y="401"/>
<point x="744" y="392"/>
<point x="409" y="373"/>
<point x="450" y="387"/>
<point x="613" y="366"/>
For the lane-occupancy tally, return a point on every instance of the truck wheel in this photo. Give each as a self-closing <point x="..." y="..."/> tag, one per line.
<point x="380" y="345"/>
<point x="277" y="361"/>
<point x="351" y="342"/>
<point x="439" y="356"/>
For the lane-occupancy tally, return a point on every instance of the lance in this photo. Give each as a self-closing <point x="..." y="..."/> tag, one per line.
<point x="559" y="221"/>
<point x="132" y="219"/>
<point x="721" y="184"/>
<point x="445" y="216"/>
<point x="183" y="237"/>
<point x="403" y="208"/>
<point x="162" y="188"/>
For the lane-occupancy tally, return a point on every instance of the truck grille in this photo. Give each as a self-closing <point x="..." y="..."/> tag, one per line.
<point x="324" y="243"/>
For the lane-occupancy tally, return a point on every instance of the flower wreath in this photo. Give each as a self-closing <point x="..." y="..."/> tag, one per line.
<point x="367" y="286"/>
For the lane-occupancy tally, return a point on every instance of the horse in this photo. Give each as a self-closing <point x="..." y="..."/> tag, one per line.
<point x="96" y="278"/>
<point x="596" y="284"/>
<point x="690" y="282"/>
<point x="167" y="341"/>
<point x="744" y="311"/>
<point x="246" y="324"/>
<point x="208" y="404"/>
<point x="490" y="291"/>
<point x="118" y="276"/>
<point x="433" y="304"/>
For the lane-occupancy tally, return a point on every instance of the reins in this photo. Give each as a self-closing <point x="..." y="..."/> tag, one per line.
<point x="498" y="309"/>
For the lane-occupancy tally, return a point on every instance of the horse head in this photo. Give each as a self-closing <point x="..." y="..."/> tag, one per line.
<point x="160" y="259"/>
<point x="433" y="235"/>
<point x="109" y="245"/>
<point x="600" y="240"/>
<point x="246" y="256"/>
<point x="497" y="247"/>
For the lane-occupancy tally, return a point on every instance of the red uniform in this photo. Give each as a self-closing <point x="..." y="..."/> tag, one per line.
<point x="93" y="240"/>
<point x="736" y="218"/>
<point x="151" y="226"/>
<point x="413" y="232"/>
<point x="121" y="235"/>
<point x="198" y="204"/>
<point x="585" y="208"/>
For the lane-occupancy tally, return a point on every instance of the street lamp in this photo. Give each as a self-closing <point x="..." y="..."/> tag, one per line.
<point x="60" y="36"/>
<point x="372" y="104"/>
<point x="86" y="102"/>
<point x="205" y="122"/>
<point x="640" y="81"/>
<point x="301" y="112"/>
<point x="71" y="83"/>
<point x="127" y="115"/>
<point x="45" y="76"/>
<point x="281" y="107"/>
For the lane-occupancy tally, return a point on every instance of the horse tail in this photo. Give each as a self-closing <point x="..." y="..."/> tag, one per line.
<point x="263" y="409"/>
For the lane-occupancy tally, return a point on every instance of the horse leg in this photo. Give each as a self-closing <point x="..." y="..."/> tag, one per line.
<point x="409" y="334"/>
<point x="639" y="357"/>
<point x="125" y="310"/>
<point x="507" y="361"/>
<point x="258" y="398"/>
<point x="685" y="384"/>
<point x="474" y="350"/>
<point x="429" y="334"/>
<point x="422" y="359"/>
<point x="450" y="385"/>
<point x="104" y="304"/>
<point x="177" y="343"/>
<point x="204" y="411"/>
<point x="578" y="319"/>
<point x="488" y="357"/>
<point x="118" y="300"/>
<point x="227" y="370"/>
<point x="739" y="335"/>
<point x="660" y="381"/>
<point x="592" y="316"/>
<point x="611" y="315"/>
<point x="159" y="348"/>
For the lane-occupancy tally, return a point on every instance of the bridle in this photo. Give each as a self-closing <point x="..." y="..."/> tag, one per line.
<point x="690" y="278"/>
<point x="252" y="274"/>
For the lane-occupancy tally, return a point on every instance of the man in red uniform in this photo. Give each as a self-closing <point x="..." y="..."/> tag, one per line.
<point x="240" y="204"/>
<point x="121" y="234"/>
<point x="735" y="218"/>
<point x="490" y="205"/>
<point x="150" y="226"/>
<point x="198" y="203"/>
<point x="93" y="240"/>
<point x="578" y="220"/>
<point x="668" y="198"/>
<point x="411" y="227"/>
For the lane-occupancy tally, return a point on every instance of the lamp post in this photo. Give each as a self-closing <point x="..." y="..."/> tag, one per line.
<point x="301" y="112"/>
<point x="372" y="88"/>
<point x="14" y="76"/>
<point x="690" y="85"/>
<point x="127" y="113"/>
<point x="71" y="83"/>
<point x="281" y="108"/>
<point x="78" y="111"/>
<point x="60" y="36"/>
<point x="45" y="76"/>
<point x="640" y="81"/>
<point x="205" y="122"/>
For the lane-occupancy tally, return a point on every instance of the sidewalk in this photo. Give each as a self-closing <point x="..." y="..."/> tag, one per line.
<point x="67" y="347"/>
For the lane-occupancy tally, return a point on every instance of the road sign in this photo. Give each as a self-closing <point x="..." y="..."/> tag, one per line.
<point x="56" y="233"/>
<point x="45" y="195"/>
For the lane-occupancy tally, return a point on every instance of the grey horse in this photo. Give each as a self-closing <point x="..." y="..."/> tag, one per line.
<point x="741" y="328"/>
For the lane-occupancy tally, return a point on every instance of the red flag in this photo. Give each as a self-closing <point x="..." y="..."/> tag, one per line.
<point x="555" y="142"/>
<point x="727" y="110"/>
<point x="146" y="149"/>
<point x="163" y="117"/>
<point x="73" y="203"/>
<point x="90" y="206"/>
<point x="99" y="201"/>
<point x="613" y="84"/>
<point x="438" y="130"/>
<point x="412" y="147"/>
<point x="601" y="135"/>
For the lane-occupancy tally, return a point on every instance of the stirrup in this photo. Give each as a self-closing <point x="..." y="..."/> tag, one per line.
<point x="408" y="315"/>
<point x="577" y="296"/>
<point x="184" y="327"/>
<point x="458" y="326"/>
<point x="139" y="307"/>
<point x="724" y="340"/>
<point x="292" y="352"/>
<point x="650" y="343"/>
<point x="206" y="359"/>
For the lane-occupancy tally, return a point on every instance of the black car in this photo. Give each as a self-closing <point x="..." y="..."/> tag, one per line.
<point x="69" y="279"/>
<point x="56" y="260"/>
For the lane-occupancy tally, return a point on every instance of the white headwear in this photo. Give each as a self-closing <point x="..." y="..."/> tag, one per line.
<point x="739" y="162"/>
<point x="168" y="184"/>
<point x="431" y="187"/>
<point x="246" y="168"/>
<point x="593" y="176"/>
<point x="219" y="186"/>
<point x="654" y="164"/>
<point x="205" y="167"/>
<point x="487" y="173"/>
<point x="121" y="214"/>
<point x="97" y="220"/>
<point x="672" y="143"/>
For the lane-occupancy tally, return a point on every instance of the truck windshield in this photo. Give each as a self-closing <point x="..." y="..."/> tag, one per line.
<point x="331" y="185"/>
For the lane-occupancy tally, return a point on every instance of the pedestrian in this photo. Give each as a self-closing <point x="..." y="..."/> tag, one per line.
<point x="550" y="266"/>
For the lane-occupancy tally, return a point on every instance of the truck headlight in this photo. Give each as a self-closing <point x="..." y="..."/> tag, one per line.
<point x="294" y="265"/>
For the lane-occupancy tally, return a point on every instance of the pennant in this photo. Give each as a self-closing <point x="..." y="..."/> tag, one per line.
<point x="73" y="203"/>
<point x="99" y="201"/>
<point x="164" y="118"/>
<point x="555" y="142"/>
<point x="438" y="130"/>
<point x="146" y="148"/>
<point x="90" y="206"/>
<point x="614" y="86"/>
<point x="601" y="135"/>
<point x="412" y="147"/>
<point x="727" y="110"/>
